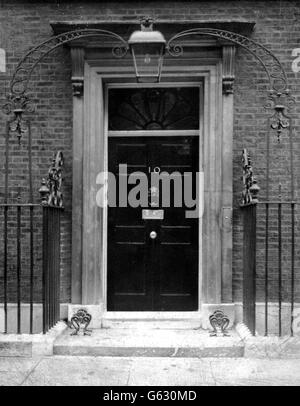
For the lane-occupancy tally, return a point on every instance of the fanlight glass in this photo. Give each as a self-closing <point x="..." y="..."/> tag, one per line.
<point x="161" y="108"/>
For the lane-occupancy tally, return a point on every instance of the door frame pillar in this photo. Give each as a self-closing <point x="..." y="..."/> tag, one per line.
<point x="215" y="280"/>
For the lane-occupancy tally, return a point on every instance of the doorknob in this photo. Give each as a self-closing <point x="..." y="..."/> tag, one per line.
<point x="153" y="235"/>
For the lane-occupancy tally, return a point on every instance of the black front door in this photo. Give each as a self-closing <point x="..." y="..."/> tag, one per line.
<point x="152" y="252"/>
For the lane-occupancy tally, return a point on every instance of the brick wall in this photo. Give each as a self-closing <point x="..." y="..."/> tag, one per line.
<point x="24" y="24"/>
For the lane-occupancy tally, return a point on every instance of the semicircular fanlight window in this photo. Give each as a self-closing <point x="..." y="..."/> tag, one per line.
<point x="153" y="109"/>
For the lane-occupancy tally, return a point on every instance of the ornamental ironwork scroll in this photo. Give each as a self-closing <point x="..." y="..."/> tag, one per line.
<point x="279" y="95"/>
<point x="219" y="322"/>
<point x="50" y="190"/>
<point x="81" y="318"/>
<point x="273" y="68"/>
<point x="18" y="101"/>
<point x="25" y="67"/>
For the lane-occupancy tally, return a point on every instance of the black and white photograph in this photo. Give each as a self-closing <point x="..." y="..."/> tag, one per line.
<point x="149" y="196"/>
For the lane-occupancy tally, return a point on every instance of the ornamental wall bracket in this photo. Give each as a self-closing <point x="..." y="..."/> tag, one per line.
<point x="219" y="322"/>
<point x="50" y="191"/>
<point x="228" y="56"/>
<point x="250" y="186"/>
<point x="77" y="55"/>
<point x="77" y="85"/>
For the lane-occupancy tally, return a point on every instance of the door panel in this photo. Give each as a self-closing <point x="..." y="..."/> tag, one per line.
<point x="161" y="273"/>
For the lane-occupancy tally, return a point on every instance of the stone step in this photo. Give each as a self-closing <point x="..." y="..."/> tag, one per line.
<point x="194" y="343"/>
<point x="143" y="324"/>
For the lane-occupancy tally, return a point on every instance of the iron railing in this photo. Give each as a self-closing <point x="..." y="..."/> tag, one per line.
<point x="30" y="274"/>
<point x="271" y="286"/>
<point x="51" y="266"/>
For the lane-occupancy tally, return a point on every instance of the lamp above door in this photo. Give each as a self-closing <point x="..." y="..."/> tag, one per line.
<point x="147" y="48"/>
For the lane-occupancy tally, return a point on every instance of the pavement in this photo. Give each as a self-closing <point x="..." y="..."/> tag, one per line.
<point x="157" y="371"/>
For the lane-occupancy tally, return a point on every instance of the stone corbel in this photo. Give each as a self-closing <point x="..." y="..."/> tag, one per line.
<point x="228" y="57"/>
<point x="77" y="55"/>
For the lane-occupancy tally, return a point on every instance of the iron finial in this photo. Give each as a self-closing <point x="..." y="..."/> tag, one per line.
<point x="44" y="192"/>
